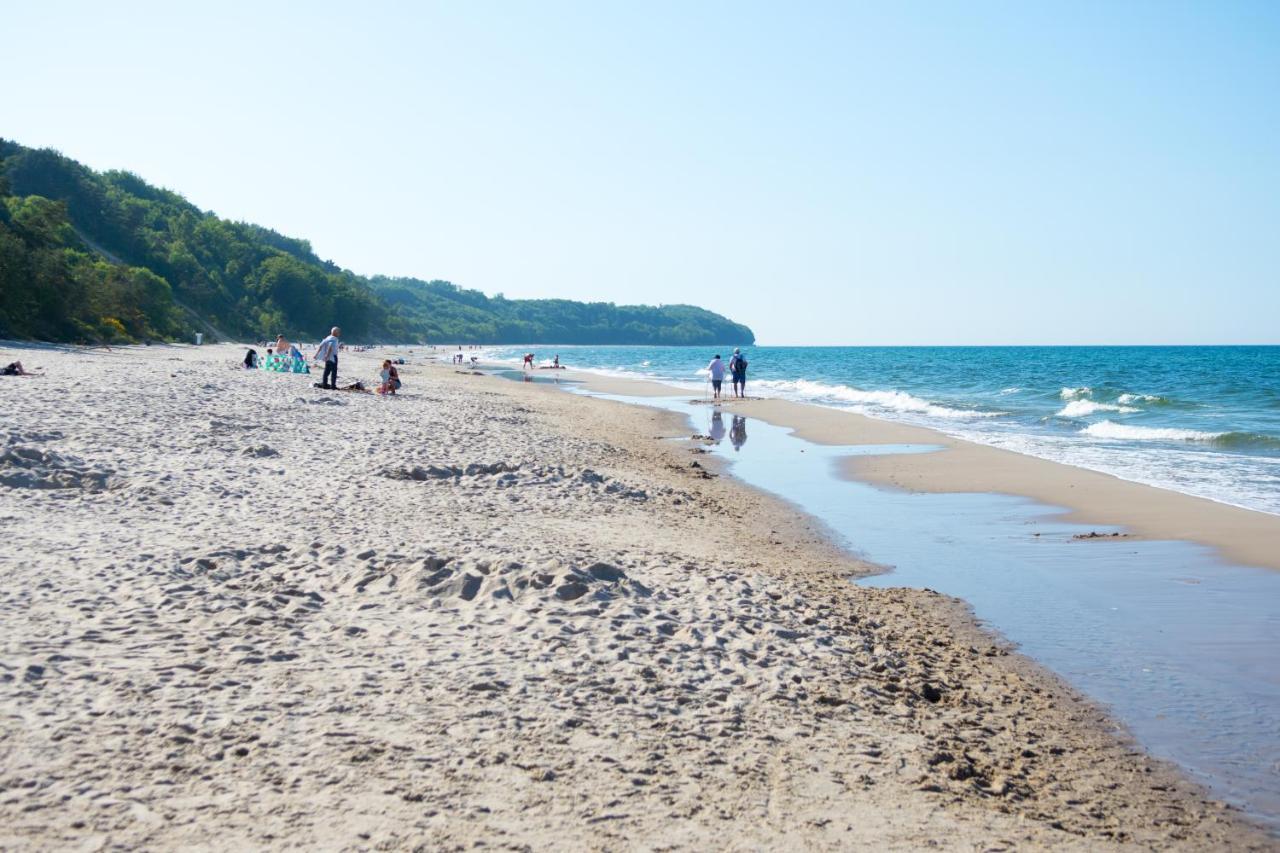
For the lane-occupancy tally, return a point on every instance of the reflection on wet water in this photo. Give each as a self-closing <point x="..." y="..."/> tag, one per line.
<point x="716" y="430"/>
<point x="532" y="376"/>
<point x="737" y="430"/>
<point x="1181" y="646"/>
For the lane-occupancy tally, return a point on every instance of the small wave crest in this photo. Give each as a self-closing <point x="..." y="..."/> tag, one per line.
<point x="1084" y="408"/>
<point x="1124" y="398"/>
<point x="1129" y="399"/>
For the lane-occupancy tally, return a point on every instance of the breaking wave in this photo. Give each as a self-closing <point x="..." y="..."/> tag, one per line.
<point x="1084" y="408"/>
<point x="1111" y="429"/>
<point x="1232" y="440"/>
<point x="881" y="401"/>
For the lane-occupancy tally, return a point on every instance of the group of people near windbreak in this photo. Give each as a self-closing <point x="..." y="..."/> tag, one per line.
<point x="737" y="372"/>
<point x="327" y="353"/>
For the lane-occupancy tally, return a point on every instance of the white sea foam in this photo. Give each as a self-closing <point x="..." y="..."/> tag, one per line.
<point x="1110" y="429"/>
<point x="1223" y="477"/>
<point x="1084" y="408"/>
<point x="1126" y="399"/>
<point x="867" y="401"/>
<point x="1075" y="393"/>
<point x="1005" y="392"/>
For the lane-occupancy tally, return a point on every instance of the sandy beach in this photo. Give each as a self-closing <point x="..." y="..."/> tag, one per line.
<point x="240" y="611"/>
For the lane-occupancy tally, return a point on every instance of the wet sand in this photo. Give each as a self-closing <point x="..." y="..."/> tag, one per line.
<point x="241" y="611"/>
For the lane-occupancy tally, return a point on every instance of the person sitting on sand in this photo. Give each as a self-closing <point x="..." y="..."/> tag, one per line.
<point x="716" y="371"/>
<point x="15" y="368"/>
<point x="282" y="345"/>
<point x="390" y="379"/>
<point x="251" y="359"/>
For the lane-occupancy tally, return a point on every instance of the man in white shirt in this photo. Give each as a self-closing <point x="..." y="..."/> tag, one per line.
<point x="716" y="370"/>
<point x="328" y="353"/>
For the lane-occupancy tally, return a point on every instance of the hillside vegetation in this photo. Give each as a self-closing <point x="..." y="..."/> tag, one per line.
<point x="91" y="256"/>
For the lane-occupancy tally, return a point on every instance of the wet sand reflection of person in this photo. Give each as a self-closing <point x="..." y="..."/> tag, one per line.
<point x="738" y="432"/>
<point x="717" y="427"/>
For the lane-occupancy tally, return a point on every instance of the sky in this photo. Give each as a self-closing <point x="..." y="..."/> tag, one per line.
<point x="827" y="173"/>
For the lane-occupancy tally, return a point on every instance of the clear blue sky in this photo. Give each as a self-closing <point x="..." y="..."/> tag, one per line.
<point x="843" y="173"/>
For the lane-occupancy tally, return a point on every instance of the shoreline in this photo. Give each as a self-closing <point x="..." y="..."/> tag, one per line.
<point x="1242" y="536"/>
<point x="829" y="428"/>
<point x="483" y="611"/>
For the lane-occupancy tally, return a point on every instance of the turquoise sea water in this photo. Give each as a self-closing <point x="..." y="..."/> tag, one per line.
<point x="1199" y="420"/>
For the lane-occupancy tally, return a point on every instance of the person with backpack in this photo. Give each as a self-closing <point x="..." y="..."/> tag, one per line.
<point x="738" y="372"/>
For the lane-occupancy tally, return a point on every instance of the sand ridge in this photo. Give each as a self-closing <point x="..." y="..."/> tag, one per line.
<point x="240" y="611"/>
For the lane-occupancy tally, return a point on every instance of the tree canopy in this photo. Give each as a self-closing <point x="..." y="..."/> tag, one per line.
<point x="104" y="256"/>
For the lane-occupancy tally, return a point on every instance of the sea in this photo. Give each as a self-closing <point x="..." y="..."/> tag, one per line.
<point x="1203" y="420"/>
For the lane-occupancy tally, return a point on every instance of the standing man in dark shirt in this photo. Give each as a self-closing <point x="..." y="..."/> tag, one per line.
<point x="738" y="372"/>
<point x="328" y="353"/>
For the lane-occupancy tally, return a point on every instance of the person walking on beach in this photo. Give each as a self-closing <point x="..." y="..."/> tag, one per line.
<point x="738" y="371"/>
<point x="328" y="353"/>
<point x="716" y="371"/>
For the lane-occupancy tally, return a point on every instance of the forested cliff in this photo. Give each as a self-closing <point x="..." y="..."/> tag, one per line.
<point x="105" y="257"/>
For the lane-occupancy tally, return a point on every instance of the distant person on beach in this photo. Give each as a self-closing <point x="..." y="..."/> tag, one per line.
<point x="716" y="371"/>
<point x="738" y="432"/>
<point x="390" y="379"/>
<point x="251" y="359"/>
<point x="282" y="345"/>
<point x="15" y="368"/>
<point x="328" y="353"/>
<point x="738" y="371"/>
<point x="528" y="361"/>
<point x="556" y="361"/>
